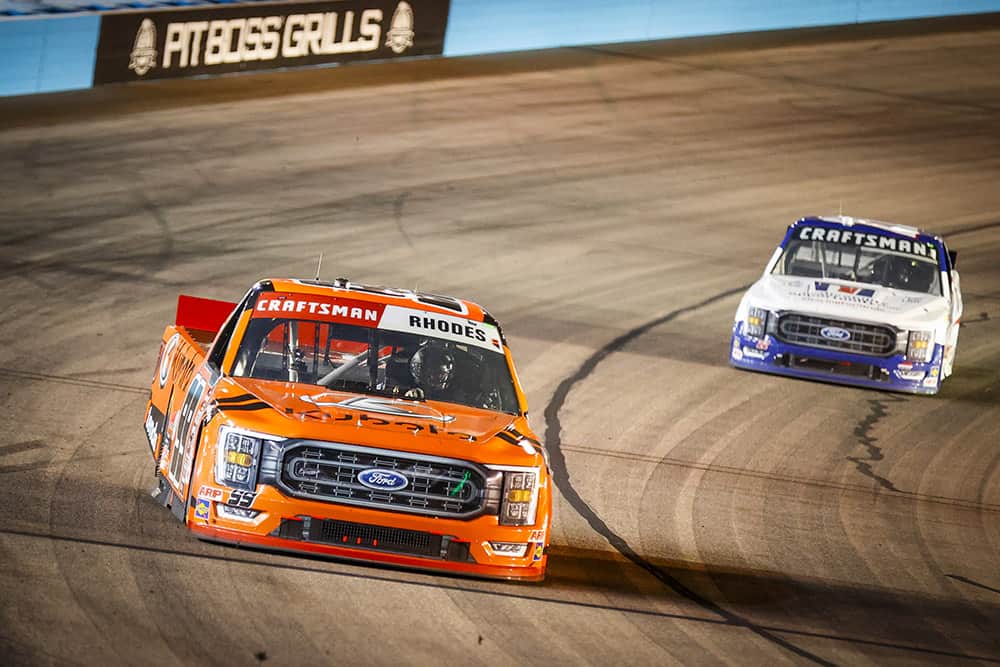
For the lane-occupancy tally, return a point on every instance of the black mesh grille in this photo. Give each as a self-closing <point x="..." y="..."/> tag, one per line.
<point x="436" y="487"/>
<point x="375" y="538"/>
<point x="842" y="335"/>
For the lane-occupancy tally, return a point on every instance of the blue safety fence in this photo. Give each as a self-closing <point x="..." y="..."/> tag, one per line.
<point x="40" y="55"/>
<point x="51" y="45"/>
<point x="487" y="26"/>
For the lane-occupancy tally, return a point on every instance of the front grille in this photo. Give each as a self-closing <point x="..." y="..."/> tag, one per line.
<point x="435" y="486"/>
<point x="870" y="339"/>
<point x="375" y="538"/>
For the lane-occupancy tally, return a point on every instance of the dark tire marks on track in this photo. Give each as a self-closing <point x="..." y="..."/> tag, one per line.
<point x="560" y="473"/>
<point x="863" y="431"/>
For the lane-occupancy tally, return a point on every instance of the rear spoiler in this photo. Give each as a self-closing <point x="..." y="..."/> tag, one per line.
<point x="204" y="315"/>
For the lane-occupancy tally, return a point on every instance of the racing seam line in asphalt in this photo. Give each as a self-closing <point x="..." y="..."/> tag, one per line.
<point x="453" y="587"/>
<point x="560" y="474"/>
<point x="966" y="580"/>
<point x="42" y="377"/>
<point x="864" y="433"/>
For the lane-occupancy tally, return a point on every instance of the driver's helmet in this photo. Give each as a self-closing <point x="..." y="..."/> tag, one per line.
<point x="903" y="269"/>
<point x="432" y="367"/>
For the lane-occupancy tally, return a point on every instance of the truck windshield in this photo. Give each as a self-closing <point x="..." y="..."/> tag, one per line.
<point x="876" y="266"/>
<point x="368" y="360"/>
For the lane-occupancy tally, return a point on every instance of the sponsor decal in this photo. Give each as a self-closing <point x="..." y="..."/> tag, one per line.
<point x="752" y="353"/>
<point x="868" y="240"/>
<point x="737" y="352"/>
<point x="538" y="552"/>
<point x="930" y="381"/>
<point x="835" y="333"/>
<point x="241" y="498"/>
<point x="153" y="425"/>
<point x="862" y="292"/>
<point x="319" y="307"/>
<point x="536" y="536"/>
<point x="862" y="298"/>
<point x="210" y="493"/>
<point x="201" y="509"/>
<point x="165" y="358"/>
<point x="362" y="419"/>
<point x="383" y="480"/>
<point x="379" y="405"/>
<point x="445" y="327"/>
<point x="214" y="40"/>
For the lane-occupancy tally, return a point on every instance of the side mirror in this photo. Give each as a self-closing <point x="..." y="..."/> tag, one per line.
<point x="953" y="257"/>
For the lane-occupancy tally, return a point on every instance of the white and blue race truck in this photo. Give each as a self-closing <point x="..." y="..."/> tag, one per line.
<point x="853" y="301"/>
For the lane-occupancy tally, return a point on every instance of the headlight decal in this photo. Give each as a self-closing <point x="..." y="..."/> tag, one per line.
<point x="238" y="457"/>
<point x="756" y="323"/>
<point x="920" y="346"/>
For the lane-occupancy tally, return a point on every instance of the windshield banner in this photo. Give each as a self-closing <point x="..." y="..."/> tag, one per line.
<point x="163" y="44"/>
<point x="446" y="327"/>
<point x="868" y="240"/>
<point x="319" y="308"/>
<point x="322" y="308"/>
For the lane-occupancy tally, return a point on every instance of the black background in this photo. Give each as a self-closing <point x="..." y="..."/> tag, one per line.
<point x="118" y="33"/>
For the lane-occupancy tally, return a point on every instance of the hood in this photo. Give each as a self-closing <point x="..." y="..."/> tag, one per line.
<point x="849" y="300"/>
<point x="307" y="411"/>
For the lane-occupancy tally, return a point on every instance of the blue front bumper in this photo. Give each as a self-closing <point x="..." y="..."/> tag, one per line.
<point x="893" y="373"/>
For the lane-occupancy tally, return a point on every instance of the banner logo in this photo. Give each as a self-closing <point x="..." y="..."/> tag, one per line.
<point x="143" y="56"/>
<point x="401" y="33"/>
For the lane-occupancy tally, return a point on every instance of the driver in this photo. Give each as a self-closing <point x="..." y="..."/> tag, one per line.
<point x="433" y="370"/>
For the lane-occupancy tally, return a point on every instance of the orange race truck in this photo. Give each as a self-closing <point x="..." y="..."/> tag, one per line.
<point x="351" y="421"/>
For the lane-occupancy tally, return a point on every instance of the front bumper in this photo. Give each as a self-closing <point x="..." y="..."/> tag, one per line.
<point x="893" y="373"/>
<point x="353" y="533"/>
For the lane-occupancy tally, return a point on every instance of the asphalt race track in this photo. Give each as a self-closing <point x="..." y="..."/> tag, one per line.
<point x="608" y="205"/>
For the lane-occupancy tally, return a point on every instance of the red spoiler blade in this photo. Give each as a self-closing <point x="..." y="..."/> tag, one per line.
<point x="201" y="314"/>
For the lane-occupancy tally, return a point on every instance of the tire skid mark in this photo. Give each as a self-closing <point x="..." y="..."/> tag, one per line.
<point x="506" y="593"/>
<point x="863" y="431"/>
<point x="59" y="558"/>
<point x="966" y="580"/>
<point x="978" y="505"/>
<point x="561" y="476"/>
<point x="64" y="379"/>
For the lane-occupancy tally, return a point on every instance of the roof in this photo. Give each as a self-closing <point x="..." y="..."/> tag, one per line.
<point x="435" y="303"/>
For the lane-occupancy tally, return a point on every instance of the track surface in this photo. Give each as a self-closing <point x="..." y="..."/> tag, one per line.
<point x="607" y="205"/>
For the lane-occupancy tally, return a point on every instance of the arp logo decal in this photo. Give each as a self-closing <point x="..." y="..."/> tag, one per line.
<point x="383" y="480"/>
<point x="210" y="493"/>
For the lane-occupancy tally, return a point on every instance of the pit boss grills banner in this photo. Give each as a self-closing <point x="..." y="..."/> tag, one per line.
<point x="171" y="44"/>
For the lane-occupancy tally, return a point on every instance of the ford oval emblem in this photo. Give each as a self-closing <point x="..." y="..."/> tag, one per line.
<point x="835" y="333"/>
<point x="382" y="480"/>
